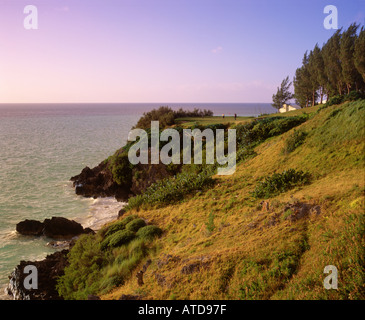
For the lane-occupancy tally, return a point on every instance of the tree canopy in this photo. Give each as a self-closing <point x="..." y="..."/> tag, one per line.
<point x="336" y="68"/>
<point x="283" y="94"/>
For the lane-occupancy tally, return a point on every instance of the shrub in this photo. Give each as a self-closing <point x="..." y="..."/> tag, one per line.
<point x="105" y="243"/>
<point x="135" y="225"/>
<point x="260" y="130"/>
<point x="95" y="268"/>
<point x="81" y="275"/>
<point x="294" y="141"/>
<point x="353" y="96"/>
<point x="172" y="189"/>
<point x="166" y="116"/>
<point x="210" y="224"/>
<point x="149" y="232"/>
<point x="245" y="153"/>
<point x="335" y="100"/>
<point x="120" y="237"/>
<point x="280" y="182"/>
<point x="121" y="169"/>
<point x="128" y="219"/>
<point x="119" y="225"/>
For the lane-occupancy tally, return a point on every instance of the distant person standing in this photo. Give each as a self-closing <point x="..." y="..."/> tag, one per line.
<point x="235" y="116"/>
<point x="223" y="115"/>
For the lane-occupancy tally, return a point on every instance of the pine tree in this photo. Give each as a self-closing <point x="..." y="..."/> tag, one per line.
<point x="359" y="53"/>
<point x="347" y="48"/>
<point x="302" y="84"/>
<point x="319" y="70"/>
<point x="314" y="85"/>
<point x="332" y="64"/>
<point x="283" y="94"/>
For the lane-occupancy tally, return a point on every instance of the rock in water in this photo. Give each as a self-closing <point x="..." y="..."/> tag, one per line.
<point x="99" y="182"/>
<point x="48" y="271"/>
<point x="30" y="227"/>
<point x="61" y="228"/>
<point x="57" y="228"/>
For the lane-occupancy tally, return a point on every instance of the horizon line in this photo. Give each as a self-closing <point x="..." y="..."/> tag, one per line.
<point x="162" y="103"/>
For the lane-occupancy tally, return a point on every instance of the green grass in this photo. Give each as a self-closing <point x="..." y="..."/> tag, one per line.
<point x="294" y="141"/>
<point x="245" y="250"/>
<point x="99" y="262"/>
<point x="280" y="182"/>
<point x="149" y="232"/>
<point x="205" y="121"/>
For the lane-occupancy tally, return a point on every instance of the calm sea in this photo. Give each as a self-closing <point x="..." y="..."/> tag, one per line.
<point x="43" y="145"/>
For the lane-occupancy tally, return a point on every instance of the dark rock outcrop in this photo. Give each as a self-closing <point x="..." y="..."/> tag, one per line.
<point x="99" y="182"/>
<point x="55" y="228"/>
<point x="299" y="210"/>
<point x="30" y="227"/>
<point x="48" y="271"/>
<point x="121" y="212"/>
<point x="61" y="228"/>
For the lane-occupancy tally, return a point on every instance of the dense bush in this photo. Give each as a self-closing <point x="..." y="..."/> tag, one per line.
<point x="260" y="130"/>
<point x="166" y="116"/>
<point x="86" y="261"/>
<point x="119" y="225"/>
<point x="99" y="262"/>
<point x="280" y="182"/>
<point x="149" y="232"/>
<point x="135" y="225"/>
<point x="353" y="96"/>
<point x="121" y="168"/>
<point x="120" y="237"/>
<point x="195" y="113"/>
<point x="335" y="100"/>
<point x="172" y="189"/>
<point x="294" y="141"/>
<point x="199" y="177"/>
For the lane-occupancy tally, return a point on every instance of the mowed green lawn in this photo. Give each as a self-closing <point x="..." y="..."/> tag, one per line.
<point x="188" y="122"/>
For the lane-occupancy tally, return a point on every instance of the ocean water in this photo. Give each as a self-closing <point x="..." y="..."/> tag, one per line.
<point x="42" y="146"/>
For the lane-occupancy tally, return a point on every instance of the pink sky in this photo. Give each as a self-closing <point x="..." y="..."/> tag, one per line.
<point x="154" y="50"/>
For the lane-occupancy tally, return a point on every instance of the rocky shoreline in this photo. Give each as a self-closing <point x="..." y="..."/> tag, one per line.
<point x="91" y="183"/>
<point x="49" y="270"/>
<point x="96" y="182"/>
<point x="57" y="228"/>
<point x="99" y="182"/>
<point x="64" y="232"/>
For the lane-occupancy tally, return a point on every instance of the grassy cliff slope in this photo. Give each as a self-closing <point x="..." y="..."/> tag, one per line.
<point x="231" y="243"/>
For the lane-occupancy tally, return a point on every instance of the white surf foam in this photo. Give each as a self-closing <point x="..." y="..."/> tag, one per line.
<point x="101" y="211"/>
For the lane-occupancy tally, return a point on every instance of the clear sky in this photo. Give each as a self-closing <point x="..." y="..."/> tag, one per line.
<point x="159" y="50"/>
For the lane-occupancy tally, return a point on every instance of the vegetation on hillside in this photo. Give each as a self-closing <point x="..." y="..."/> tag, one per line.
<point x="98" y="263"/>
<point x="283" y="94"/>
<point x="226" y="243"/>
<point x="338" y="68"/>
<point x="294" y="205"/>
<point x="166" y="116"/>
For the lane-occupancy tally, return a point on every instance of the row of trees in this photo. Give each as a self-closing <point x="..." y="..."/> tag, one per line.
<point x="335" y="69"/>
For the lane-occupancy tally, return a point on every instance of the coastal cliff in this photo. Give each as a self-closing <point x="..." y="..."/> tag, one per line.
<point x="293" y="206"/>
<point x="48" y="270"/>
<point x="101" y="182"/>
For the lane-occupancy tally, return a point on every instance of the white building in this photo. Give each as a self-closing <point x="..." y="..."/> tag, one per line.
<point x="287" y="107"/>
